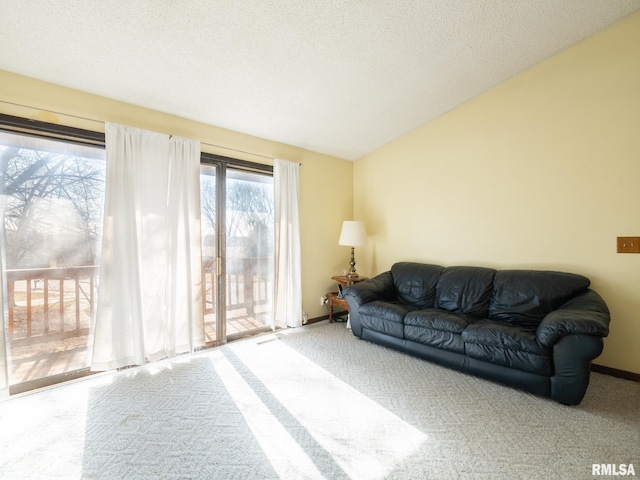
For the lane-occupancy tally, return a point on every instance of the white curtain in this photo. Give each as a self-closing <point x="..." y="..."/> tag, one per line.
<point x="150" y="293"/>
<point x="288" y="276"/>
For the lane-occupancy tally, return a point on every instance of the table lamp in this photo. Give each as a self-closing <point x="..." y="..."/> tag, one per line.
<point x="353" y="235"/>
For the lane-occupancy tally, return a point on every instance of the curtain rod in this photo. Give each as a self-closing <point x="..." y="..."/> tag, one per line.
<point x="102" y="123"/>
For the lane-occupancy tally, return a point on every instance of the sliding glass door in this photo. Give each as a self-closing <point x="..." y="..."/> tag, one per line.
<point x="237" y="249"/>
<point x="249" y="251"/>
<point x="52" y="199"/>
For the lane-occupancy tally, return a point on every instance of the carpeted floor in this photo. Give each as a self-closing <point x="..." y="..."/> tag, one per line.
<point x="313" y="402"/>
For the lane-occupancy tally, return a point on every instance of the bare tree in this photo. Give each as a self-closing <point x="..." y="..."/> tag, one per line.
<point x="249" y="204"/>
<point x="53" y="206"/>
<point x="248" y="218"/>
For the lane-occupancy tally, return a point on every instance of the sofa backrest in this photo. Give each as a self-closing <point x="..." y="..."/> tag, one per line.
<point x="525" y="297"/>
<point x="465" y="290"/>
<point x="415" y="283"/>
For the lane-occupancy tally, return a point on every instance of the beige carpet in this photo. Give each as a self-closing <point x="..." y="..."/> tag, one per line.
<point x="313" y="402"/>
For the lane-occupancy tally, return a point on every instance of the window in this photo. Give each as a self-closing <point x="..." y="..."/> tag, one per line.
<point x="51" y="196"/>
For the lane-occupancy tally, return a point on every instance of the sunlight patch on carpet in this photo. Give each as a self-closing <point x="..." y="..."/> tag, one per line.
<point x="364" y="439"/>
<point x="284" y="454"/>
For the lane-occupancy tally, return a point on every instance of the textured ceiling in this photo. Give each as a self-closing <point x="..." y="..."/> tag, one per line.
<point x="341" y="77"/>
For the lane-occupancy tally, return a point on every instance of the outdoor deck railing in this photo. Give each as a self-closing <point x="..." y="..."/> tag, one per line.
<point x="46" y="275"/>
<point x="248" y="283"/>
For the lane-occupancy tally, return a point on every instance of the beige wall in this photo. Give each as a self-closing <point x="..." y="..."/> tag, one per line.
<point x="542" y="171"/>
<point x="325" y="182"/>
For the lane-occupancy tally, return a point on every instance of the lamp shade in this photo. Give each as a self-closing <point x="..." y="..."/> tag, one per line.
<point x="353" y="234"/>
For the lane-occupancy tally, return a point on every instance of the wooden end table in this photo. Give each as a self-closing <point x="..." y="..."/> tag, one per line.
<point x="332" y="297"/>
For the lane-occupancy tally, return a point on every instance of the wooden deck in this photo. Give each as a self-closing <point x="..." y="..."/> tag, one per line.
<point x="50" y="312"/>
<point x="45" y="356"/>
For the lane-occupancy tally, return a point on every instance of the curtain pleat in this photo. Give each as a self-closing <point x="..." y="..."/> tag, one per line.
<point x="288" y="268"/>
<point x="149" y="297"/>
<point x="184" y="272"/>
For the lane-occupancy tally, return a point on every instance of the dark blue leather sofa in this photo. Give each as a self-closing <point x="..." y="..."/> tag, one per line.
<point x="535" y="330"/>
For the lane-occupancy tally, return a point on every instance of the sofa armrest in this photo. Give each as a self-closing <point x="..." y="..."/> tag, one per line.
<point x="586" y="314"/>
<point x="379" y="287"/>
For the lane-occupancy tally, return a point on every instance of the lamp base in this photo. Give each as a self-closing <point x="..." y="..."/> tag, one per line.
<point x="352" y="271"/>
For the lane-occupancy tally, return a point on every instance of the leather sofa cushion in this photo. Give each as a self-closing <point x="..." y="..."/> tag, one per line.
<point x="435" y="338"/>
<point x="502" y="334"/>
<point x="383" y="317"/>
<point x="415" y="283"/>
<point x="465" y="290"/>
<point x="508" y="345"/>
<point x="438" y="320"/>
<point x="436" y="328"/>
<point x="525" y="297"/>
<point x="516" y="359"/>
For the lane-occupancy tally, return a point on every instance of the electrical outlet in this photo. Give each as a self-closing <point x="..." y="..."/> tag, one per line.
<point x="628" y="244"/>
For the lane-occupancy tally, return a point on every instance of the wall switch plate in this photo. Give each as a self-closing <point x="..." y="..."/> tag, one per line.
<point x="628" y="244"/>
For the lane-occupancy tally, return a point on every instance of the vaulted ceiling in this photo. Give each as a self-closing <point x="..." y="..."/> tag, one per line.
<point x="341" y="77"/>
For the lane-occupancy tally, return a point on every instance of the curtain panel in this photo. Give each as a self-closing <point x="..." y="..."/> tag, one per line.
<point x="150" y="292"/>
<point x="288" y="264"/>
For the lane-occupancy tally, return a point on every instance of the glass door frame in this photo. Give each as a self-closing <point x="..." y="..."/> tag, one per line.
<point x="221" y="165"/>
<point x="57" y="133"/>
